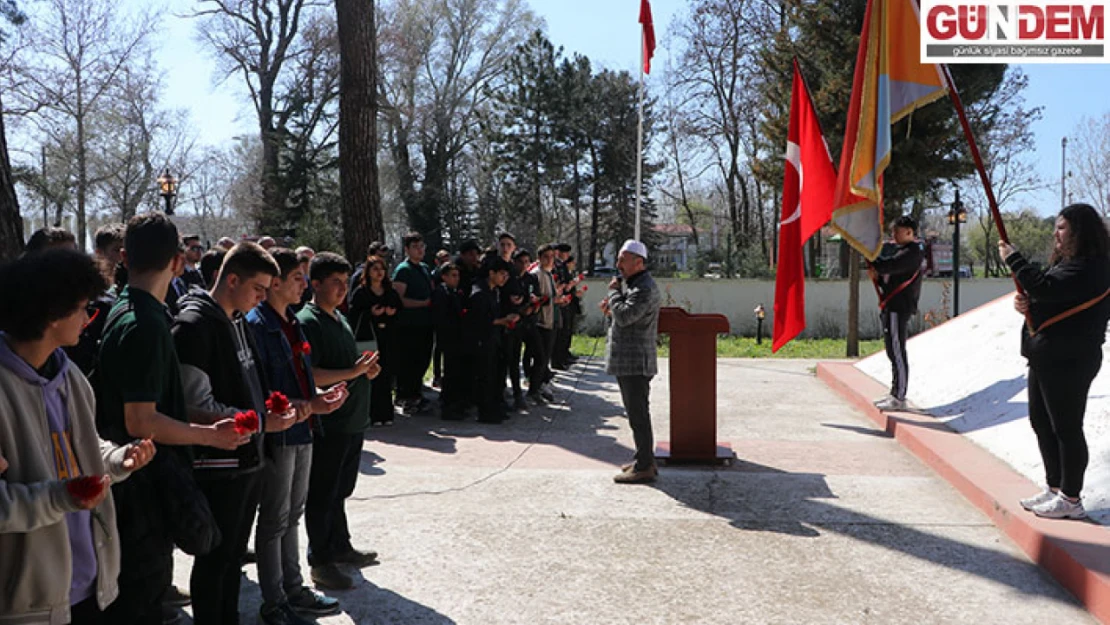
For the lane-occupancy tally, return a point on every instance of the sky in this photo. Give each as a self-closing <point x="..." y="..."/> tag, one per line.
<point x="608" y="33"/>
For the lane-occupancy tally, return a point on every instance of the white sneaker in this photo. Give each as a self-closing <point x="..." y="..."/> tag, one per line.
<point x="890" y="404"/>
<point x="1060" y="507"/>
<point x="1044" y="496"/>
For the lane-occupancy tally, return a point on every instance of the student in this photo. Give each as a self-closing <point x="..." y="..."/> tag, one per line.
<point x="210" y="264"/>
<point x="50" y="237"/>
<point x="222" y="376"/>
<point x="512" y="301"/>
<point x="279" y="339"/>
<point x="521" y="339"/>
<point x="447" y="307"/>
<point x="483" y="326"/>
<point x="337" y="451"/>
<point x="560" y="352"/>
<point x="139" y="395"/>
<point x="374" y="309"/>
<point x="1067" y="308"/>
<point x="413" y="282"/>
<point x="48" y="441"/>
<point x="547" y="320"/>
<point x="468" y="261"/>
<point x="108" y="242"/>
<point x="897" y="272"/>
<point x="194" y="251"/>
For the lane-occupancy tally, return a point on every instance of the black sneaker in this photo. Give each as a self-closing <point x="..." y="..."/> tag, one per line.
<point x="361" y="559"/>
<point x="308" y="601"/>
<point x="281" y="614"/>
<point x="519" y="404"/>
<point x="330" y="577"/>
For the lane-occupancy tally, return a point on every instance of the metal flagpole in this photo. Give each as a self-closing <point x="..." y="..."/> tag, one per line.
<point x="640" y="141"/>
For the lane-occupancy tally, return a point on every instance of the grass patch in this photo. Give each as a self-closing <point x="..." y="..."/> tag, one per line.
<point x="746" y="347"/>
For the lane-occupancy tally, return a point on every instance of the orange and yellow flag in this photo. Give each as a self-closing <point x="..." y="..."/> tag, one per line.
<point x="890" y="82"/>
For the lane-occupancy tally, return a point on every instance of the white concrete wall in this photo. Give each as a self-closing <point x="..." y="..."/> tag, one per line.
<point x="826" y="302"/>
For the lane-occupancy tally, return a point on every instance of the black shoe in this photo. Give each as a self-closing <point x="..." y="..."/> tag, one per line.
<point x="519" y="404"/>
<point x="308" y="601"/>
<point x="330" y="577"/>
<point x="176" y="598"/>
<point x="361" y="559"/>
<point x="547" y="395"/>
<point x="281" y="614"/>
<point x="537" y="398"/>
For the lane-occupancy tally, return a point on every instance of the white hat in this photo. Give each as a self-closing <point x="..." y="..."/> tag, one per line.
<point x="634" y="246"/>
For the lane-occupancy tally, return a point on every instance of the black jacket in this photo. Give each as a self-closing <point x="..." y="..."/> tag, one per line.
<point x="1063" y="286"/>
<point x="483" y="309"/>
<point x="224" y="350"/>
<point x="900" y="268"/>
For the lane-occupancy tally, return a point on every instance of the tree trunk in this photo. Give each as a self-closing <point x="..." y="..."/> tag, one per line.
<point x="595" y="209"/>
<point x="82" y="175"/>
<point x="578" y="214"/>
<point x="853" y="304"/>
<point x="11" y="224"/>
<point x="358" y="131"/>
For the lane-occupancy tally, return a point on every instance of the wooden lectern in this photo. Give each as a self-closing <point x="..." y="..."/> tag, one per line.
<point x="693" y="380"/>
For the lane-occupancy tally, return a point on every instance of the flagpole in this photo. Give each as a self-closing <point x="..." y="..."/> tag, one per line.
<point x="640" y="142"/>
<point x="958" y="103"/>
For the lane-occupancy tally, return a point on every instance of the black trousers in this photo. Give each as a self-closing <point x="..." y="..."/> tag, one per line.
<point x="635" y="392"/>
<point x="1057" y="401"/>
<point x="335" y="461"/>
<point x="457" y="379"/>
<point x="509" y="363"/>
<point x="216" y="575"/>
<point x="487" y="387"/>
<point x="561" y="353"/>
<point x="146" y="555"/>
<point x="86" y="613"/>
<point x="894" y="338"/>
<point x="543" y="340"/>
<point x="413" y="348"/>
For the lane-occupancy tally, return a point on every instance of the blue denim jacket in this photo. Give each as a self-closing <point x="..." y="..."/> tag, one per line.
<point x="277" y="360"/>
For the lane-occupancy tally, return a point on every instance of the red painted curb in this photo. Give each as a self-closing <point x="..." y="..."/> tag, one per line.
<point x="1076" y="554"/>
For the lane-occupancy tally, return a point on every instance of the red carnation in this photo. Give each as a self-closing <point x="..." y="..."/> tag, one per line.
<point x="585" y="287"/>
<point x="368" y="354"/>
<point x="302" y="349"/>
<point x="277" y="403"/>
<point x="512" y="324"/>
<point x="246" y="422"/>
<point x="86" y="488"/>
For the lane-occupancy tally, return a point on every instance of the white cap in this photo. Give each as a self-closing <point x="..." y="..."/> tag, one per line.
<point x="634" y="246"/>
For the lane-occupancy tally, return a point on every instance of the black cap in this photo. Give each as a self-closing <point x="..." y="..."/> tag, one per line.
<point x="469" y="245"/>
<point x="505" y="234"/>
<point x="563" y="247"/>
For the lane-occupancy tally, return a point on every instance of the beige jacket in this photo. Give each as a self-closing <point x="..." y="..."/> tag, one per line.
<point x="35" y="561"/>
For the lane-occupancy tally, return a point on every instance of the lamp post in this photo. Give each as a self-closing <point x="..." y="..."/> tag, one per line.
<point x="167" y="188"/>
<point x="956" y="216"/>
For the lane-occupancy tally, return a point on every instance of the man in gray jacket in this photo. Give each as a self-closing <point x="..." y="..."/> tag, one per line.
<point x="633" y="304"/>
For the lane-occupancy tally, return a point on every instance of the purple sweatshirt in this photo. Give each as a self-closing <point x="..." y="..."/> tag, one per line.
<point x="83" y="581"/>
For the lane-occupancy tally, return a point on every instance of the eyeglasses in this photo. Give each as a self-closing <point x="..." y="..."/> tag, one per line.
<point x="196" y="248"/>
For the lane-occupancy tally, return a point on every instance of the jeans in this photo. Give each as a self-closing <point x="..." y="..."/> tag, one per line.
<point x="635" y="391"/>
<point x="217" y="574"/>
<point x="1057" y="401"/>
<point x="335" y="462"/>
<point x="284" y="489"/>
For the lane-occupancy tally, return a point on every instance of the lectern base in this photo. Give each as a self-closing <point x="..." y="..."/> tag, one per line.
<point x="724" y="455"/>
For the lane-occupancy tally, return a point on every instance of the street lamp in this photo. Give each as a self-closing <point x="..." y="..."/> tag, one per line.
<point x="167" y="188"/>
<point x="956" y="216"/>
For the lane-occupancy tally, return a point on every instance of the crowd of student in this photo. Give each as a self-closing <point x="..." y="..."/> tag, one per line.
<point x="157" y="395"/>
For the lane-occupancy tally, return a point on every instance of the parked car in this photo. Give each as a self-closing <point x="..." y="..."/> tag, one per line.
<point x="714" y="271"/>
<point x="601" y="271"/>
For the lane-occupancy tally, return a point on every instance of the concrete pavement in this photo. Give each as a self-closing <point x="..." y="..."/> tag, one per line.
<point x="822" y="519"/>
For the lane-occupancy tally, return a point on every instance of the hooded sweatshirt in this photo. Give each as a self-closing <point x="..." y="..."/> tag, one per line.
<point x="220" y="373"/>
<point x="83" y="580"/>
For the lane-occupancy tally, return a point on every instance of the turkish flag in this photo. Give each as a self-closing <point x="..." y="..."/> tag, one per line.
<point x="649" y="34"/>
<point x="807" y="198"/>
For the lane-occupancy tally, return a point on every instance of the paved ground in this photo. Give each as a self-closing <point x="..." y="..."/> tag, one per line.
<point x="822" y="519"/>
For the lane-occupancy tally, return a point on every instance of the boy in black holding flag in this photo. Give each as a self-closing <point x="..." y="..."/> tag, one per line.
<point x="897" y="275"/>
